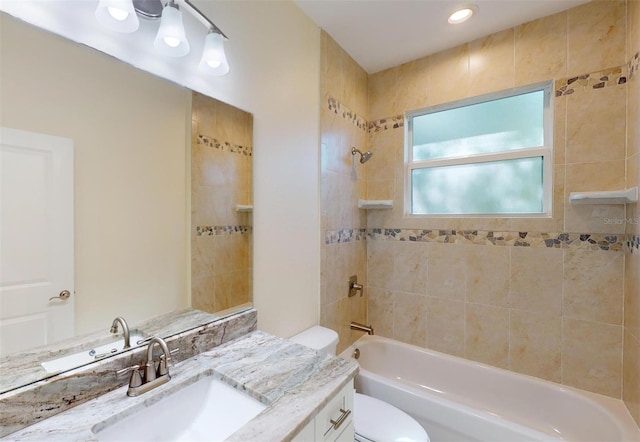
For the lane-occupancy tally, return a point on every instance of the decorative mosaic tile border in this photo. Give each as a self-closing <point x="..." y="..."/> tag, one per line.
<point x="224" y="145"/>
<point x="340" y="109"/>
<point x="589" y="241"/>
<point x="386" y="123"/>
<point x="634" y="65"/>
<point x="594" y="80"/>
<point x="222" y="230"/>
<point x="344" y="236"/>
<point x="633" y="244"/>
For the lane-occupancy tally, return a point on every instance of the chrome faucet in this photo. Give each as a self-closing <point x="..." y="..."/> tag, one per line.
<point x="362" y="327"/>
<point x="125" y="330"/>
<point x="150" y="375"/>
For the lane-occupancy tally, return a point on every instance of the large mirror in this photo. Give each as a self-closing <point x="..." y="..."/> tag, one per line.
<point x="161" y="189"/>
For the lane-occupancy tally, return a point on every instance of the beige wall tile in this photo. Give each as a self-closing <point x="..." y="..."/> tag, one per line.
<point x="536" y="280"/>
<point x="535" y="344"/>
<point x="447" y="271"/>
<point x="380" y="311"/>
<point x="413" y="85"/>
<point x="633" y="114"/>
<point x="559" y="130"/>
<point x="202" y="294"/>
<point x="541" y="49"/>
<point x="383" y="144"/>
<point x="596" y="38"/>
<point x="596" y="125"/>
<point x="445" y="326"/>
<point x="633" y="27"/>
<point x="487" y="335"/>
<point x="592" y="356"/>
<point x="632" y="294"/>
<point x="202" y="256"/>
<point x="488" y="275"/>
<point x="491" y="63"/>
<point x="380" y="264"/>
<point x="593" y="285"/>
<point x="334" y="70"/>
<point x="590" y="218"/>
<point x="383" y="86"/>
<point x="450" y="75"/>
<point x="410" y="267"/>
<point x="630" y="376"/>
<point x="410" y="318"/>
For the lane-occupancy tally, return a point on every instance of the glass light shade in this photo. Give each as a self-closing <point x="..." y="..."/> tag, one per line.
<point x="213" y="60"/>
<point x="117" y="15"/>
<point x="171" y="39"/>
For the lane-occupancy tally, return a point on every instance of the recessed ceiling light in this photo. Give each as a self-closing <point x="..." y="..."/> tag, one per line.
<point x="461" y="15"/>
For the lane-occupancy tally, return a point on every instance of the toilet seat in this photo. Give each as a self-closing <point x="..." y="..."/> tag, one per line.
<point x="377" y="421"/>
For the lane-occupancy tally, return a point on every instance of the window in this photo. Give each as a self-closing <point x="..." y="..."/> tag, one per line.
<point x="489" y="155"/>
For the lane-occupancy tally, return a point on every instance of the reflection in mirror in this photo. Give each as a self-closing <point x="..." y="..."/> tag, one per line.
<point x="130" y="133"/>
<point x="221" y="231"/>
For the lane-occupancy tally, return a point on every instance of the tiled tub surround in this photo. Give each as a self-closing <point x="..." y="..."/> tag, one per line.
<point x="294" y="381"/>
<point x="550" y="301"/>
<point x="221" y="237"/>
<point x="33" y="403"/>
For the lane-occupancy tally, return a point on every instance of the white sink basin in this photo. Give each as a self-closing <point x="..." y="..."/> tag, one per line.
<point x="206" y="410"/>
<point x="84" y="357"/>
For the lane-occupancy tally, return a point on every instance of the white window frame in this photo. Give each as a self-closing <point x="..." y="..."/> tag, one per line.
<point x="545" y="151"/>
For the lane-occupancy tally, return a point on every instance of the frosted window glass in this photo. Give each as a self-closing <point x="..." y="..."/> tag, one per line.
<point x="492" y="126"/>
<point x="507" y="186"/>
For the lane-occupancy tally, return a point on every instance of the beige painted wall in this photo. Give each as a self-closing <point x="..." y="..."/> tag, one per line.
<point x="129" y="130"/>
<point x="274" y="53"/>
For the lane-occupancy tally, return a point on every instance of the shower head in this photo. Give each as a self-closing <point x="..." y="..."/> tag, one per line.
<point x="364" y="157"/>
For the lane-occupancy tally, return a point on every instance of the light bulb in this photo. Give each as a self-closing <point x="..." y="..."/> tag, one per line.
<point x="461" y="15"/>
<point x="214" y="63"/>
<point x="173" y="42"/>
<point x="117" y="13"/>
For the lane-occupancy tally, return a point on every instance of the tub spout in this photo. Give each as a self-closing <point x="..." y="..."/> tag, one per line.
<point x="362" y="327"/>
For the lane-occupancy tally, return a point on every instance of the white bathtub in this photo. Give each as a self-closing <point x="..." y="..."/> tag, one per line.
<point x="459" y="400"/>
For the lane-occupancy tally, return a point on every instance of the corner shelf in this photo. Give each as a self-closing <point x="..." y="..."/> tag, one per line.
<point x="375" y="204"/>
<point x="605" y="197"/>
<point x="244" y="208"/>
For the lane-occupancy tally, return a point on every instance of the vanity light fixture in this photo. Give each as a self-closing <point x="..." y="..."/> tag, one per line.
<point x="171" y="39"/>
<point x="462" y="14"/>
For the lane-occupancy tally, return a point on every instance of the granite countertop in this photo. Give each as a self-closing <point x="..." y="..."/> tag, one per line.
<point x="23" y="368"/>
<point x="294" y="382"/>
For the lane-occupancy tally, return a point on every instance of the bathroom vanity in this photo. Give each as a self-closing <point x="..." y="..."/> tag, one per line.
<point x="303" y="392"/>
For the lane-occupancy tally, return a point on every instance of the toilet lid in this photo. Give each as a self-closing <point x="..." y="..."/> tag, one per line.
<point x="378" y="421"/>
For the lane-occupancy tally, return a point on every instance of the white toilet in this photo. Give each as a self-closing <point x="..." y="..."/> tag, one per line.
<point x="373" y="419"/>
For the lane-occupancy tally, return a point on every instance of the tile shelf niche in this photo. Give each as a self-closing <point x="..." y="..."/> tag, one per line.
<point x="605" y="197"/>
<point x="375" y="204"/>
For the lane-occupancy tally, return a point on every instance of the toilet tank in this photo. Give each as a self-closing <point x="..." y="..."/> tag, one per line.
<point x="319" y="338"/>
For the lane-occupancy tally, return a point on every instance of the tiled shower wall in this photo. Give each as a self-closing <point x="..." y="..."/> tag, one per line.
<point x="631" y="351"/>
<point x="221" y="152"/>
<point x="543" y="297"/>
<point x="343" y="182"/>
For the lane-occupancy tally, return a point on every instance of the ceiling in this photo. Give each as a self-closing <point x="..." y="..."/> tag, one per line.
<point x="379" y="34"/>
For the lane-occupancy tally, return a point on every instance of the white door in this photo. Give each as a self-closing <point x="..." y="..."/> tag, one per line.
<point x="36" y="240"/>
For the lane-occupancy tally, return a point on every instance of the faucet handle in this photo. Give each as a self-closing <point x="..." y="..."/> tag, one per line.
<point x="163" y="365"/>
<point x="135" y="380"/>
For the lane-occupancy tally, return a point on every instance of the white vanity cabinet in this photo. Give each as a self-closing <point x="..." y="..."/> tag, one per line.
<point x="334" y="423"/>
